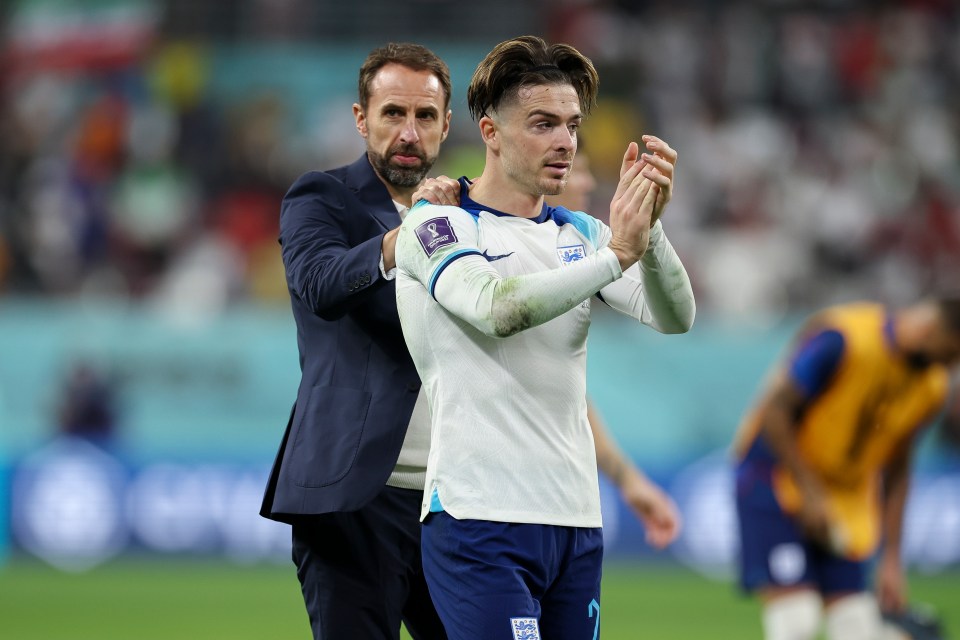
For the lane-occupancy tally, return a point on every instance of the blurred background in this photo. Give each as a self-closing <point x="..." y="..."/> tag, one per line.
<point x="148" y="358"/>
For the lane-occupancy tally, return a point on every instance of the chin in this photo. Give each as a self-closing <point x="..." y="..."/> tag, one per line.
<point x="552" y="188"/>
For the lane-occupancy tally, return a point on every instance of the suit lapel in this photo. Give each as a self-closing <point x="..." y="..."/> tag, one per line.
<point x="363" y="180"/>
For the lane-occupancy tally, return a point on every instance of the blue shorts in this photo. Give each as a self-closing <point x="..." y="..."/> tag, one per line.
<point x="505" y="581"/>
<point x="773" y="550"/>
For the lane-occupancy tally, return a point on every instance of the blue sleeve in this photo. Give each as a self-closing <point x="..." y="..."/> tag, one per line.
<point x="816" y="360"/>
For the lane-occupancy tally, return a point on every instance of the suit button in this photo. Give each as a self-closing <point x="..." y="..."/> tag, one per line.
<point x="413" y="386"/>
<point x="365" y="279"/>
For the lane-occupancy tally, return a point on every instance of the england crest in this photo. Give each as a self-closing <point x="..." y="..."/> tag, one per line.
<point x="571" y="253"/>
<point x="525" y="628"/>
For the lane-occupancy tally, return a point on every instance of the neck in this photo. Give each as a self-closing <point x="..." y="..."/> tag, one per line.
<point x="403" y="195"/>
<point x="912" y="325"/>
<point x="498" y="192"/>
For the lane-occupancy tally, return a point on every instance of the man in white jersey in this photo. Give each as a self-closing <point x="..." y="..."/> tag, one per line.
<point x="494" y="299"/>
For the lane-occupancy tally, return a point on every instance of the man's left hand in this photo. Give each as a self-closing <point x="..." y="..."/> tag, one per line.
<point x="656" y="510"/>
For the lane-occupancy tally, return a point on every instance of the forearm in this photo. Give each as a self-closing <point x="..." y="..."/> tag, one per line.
<point x="388" y="249"/>
<point x="656" y="290"/>
<point x="610" y="460"/>
<point x="329" y="278"/>
<point x="779" y="432"/>
<point x="896" y="488"/>
<point x="668" y="293"/>
<point x="503" y="306"/>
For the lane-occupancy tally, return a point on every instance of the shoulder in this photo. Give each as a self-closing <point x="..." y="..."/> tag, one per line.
<point x="340" y="181"/>
<point x="824" y="342"/>
<point x="317" y="183"/>
<point x="319" y="193"/>
<point x="428" y="229"/>
<point x="424" y="212"/>
<point x="588" y="226"/>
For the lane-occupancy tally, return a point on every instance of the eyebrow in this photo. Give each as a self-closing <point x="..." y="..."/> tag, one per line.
<point x="386" y="106"/>
<point x="552" y="115"/>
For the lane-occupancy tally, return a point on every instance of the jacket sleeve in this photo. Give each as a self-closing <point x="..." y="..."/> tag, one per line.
<point x="331" y="265"/>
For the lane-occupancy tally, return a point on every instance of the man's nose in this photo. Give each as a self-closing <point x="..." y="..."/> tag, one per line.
<point x="566" y="139"/>
<point x="409" y="132"/>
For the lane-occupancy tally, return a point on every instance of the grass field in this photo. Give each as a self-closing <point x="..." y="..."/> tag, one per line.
<point x="185" y="600"/>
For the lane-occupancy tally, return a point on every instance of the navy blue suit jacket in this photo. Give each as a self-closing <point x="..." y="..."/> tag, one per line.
<point x="358" y="383"/>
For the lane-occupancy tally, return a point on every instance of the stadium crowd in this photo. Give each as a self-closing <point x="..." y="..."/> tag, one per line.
<point x="818" y="148"/>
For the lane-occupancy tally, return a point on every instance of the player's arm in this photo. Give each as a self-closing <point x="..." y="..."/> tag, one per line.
<point x="891" y="583"/>
<point x="655" y="509"/>
<point x="463" y="282"/>
<point x="656" y="290"/>
<point x="809" y="372"/>
<point x="890" y="580"/>
<point x="779" y="410"/>
<point x="437" y="246"/>
<point x="323" y="270"/>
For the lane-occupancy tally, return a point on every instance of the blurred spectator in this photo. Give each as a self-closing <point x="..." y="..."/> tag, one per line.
<point x="88" y="405"/>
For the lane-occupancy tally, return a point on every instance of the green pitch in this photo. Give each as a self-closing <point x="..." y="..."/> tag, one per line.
<point x="180" y="599"/>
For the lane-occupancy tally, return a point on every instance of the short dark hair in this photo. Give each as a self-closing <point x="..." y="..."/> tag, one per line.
<point x="407" y="54"/>
<point x="526" y="61"/>
<point x="950" y="312"/>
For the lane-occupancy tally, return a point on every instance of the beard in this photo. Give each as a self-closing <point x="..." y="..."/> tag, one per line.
<point x="552" y="188"/>
<point x="401" y="176"/>
<point x="530" y="179"/>
<point x="918" y="361"/>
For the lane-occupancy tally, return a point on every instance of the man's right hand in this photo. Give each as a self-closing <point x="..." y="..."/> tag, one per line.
<point x="439" y="190"/>
<point x="632" y="208"/>
<point x="814" y="517"/>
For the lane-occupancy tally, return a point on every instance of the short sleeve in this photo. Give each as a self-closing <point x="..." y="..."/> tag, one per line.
<point x="816" y="360"/>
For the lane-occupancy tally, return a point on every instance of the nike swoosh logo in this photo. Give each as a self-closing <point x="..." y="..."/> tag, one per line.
<point x="493" y="258"/>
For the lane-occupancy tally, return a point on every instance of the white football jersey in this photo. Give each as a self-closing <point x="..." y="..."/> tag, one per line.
<point x="495" y="310"/>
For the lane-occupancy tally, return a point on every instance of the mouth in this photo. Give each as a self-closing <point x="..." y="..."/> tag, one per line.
<point x="560" y="168"/>
<point x="406" y="159"/>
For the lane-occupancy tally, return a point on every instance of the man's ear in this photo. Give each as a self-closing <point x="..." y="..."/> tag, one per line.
<point x="360" y="118"/>
<point x="446" y="125"/>
<point x="489" y="133"/>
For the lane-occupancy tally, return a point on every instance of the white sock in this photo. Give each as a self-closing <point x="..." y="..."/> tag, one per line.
<point x="792" y="617"/>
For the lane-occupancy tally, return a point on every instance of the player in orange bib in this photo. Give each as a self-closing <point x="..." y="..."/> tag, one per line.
<point x="823" y="465"/>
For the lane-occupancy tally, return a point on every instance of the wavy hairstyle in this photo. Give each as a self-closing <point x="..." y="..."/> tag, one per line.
<point x="529" y="61"/>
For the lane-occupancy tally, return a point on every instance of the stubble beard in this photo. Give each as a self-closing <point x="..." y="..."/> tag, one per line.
<point x="552" y="187"/>
<point x="534" y="184"/>
<point x="401" y="177"/>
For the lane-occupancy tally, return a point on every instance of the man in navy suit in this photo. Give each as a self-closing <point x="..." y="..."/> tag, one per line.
<point x="349" y="473"/>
